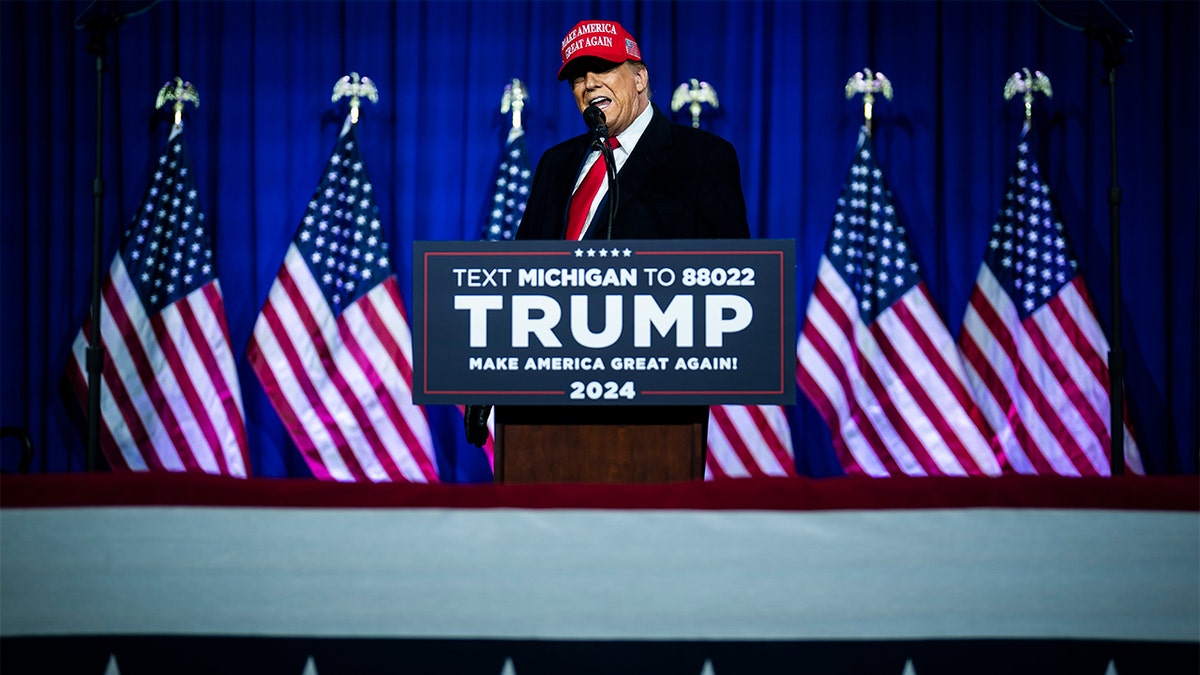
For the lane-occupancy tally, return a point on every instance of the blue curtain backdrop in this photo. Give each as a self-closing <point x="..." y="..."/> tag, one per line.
<point x="266" y="126"/>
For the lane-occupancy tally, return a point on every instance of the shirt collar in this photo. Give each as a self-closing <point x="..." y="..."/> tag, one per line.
<point x="630" y="137"/>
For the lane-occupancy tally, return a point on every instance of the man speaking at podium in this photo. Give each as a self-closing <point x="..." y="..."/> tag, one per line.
<point x="671" y="182"/>
<point x="674" y="182"/>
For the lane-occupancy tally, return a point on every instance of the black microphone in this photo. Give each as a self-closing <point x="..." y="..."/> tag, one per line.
<point x="595" y="121"/>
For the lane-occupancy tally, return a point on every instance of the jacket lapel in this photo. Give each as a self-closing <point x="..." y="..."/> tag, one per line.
<point x="564" y="182"/>
<point x="649" y="153"/>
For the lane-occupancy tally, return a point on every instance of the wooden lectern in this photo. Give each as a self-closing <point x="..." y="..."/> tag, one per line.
<point x="601" y="444"/>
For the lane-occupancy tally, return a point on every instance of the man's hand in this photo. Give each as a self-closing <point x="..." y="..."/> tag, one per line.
<point x="475" y="419"/>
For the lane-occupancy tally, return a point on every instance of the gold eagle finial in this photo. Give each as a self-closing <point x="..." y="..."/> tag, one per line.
<point x="353" y="87"/>
<point x="180" y="92"/>
<point x="693" y="94"/>
<point x="868" y="84"/>
<point x="1026" y="83"/>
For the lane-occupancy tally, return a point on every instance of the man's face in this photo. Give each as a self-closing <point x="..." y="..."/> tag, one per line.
<point x="619" y="90"/>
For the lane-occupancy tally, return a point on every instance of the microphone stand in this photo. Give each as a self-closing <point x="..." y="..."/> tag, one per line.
<point x="610" y="165"/>
<point x="1111" y="43"/>
<point x="98" y="46"/>
<point x="99" y="19"/>
<point x="1097" y="21"/>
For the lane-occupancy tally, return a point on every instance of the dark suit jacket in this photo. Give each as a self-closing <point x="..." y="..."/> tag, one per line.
<point x="679" y="183"/>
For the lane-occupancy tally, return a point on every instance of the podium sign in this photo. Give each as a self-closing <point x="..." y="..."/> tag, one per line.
<point x="628" y="322"/>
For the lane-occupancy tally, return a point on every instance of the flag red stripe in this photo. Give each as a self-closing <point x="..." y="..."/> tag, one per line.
<point x="1089" y="350"/>
<point x="178" y="372"/>
<point x="128" y="412"/>
<point x="305" y="443"/>
<point x="310" y="328"/>
<point x="288" y="415"/>
<point x="1097" y="361"/>
<point x="1028" y="387"/>
<point x="108" y="444"/>
<point x="226" y="416"/>
<point x="403" y="362"/>
<point x="124" y="409"/>
<point x="1067" y="435"/>
<point x="825" y="407"/>
<point x="414" y="446"/>
<point x="830" y="410"/>
<point x="1096" y="354"/>
<point x="957" y="386"/>
<point x="862" y="418"/>
<point x="229" y="395"/>
<point x="916" y="390"/>
<point x="854" y="411"/>
<point x="778" y="438"/>
<point x="356" y="406"/>
<point x="375" y="385"/>
<point x="809" y="386"/>
<point x="1071" y="387"/>
<point x="141" y="364"/>
<point x="736" y="443"/>
<point x="898" y="419"/>
<point x="994" y="381"/>
<point x="833" y="420"/>
<point x="775" y="443"/>
<point x="936" y="411"/>
<point x="879" y="391"/>
<point x="1044" y="406"/>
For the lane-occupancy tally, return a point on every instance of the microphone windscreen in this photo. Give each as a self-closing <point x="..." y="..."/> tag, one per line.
<point x="593" y="116"/>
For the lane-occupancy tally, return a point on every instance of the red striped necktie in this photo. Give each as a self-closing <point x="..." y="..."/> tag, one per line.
<point x="585" y="194"/>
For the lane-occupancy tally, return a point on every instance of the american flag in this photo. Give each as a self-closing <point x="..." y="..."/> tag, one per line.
<point x="513" y="178"/>
<point x="512" y="189"/>
<point x="747" y="441"/>
<point x="874" y="355"/>
<point x="1034" y="349"/>
<point x="332" y="346"/>
<point x="169" y="393"/>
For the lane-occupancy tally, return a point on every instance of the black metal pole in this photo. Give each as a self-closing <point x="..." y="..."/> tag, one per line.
<point x="99" y="19"/>
<point x="1116" y="355"/>
<point x="95" y="350"/>
<point x="1098" y="22"/>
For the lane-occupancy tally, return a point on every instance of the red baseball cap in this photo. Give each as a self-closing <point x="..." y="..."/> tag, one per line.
<point x="605" y="40"/>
